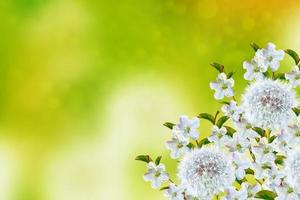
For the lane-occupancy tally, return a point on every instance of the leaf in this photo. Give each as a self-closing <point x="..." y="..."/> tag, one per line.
<point x="279" y="76"/>
<point x="230" y="131"/>
<point x="271" y="139"/>
<point x="266" y="194"/>
<point x="225" y="102"/>
<point x="169" y="125"/>
<point x="203" y="142"/>
<point x="249" y="171"/>
<point x="260" y="131"/>
<point x="230" y="74"/>
<point x="144" y="158"/>
<point x="279" y="159"/>
<point x="294" y="55"/>
<point x="190" y="145"/>
<point x="207" y="116"/>
<point x="218" y="66"/>
<point x="164" y="188"/>
<point x="157" y="160"/>
<point x="296" y="111"/>
<point x="221" y="121"/>
<point x="254" y="46"/>
<point x="267" y="74"/>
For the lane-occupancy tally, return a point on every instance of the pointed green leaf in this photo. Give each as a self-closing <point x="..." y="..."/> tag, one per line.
<point x="164" y="188"/>
<point x="144" y="158"/>
<point x="203" y="142"/>
<point x="279" y="76"/>
<point x="230" y="131"/>
<point x="266" y="194"/>
<point x="254" y="46"/>
<point x="280" y="159"/>
<point x="271" y="139"/>
<point x="169" y="125"/>
<point x="249" y="171"/>
<point x="260" y="131"/>
<point x="157" y="160"/>
<point x="296" y="111"/>
<point x="218" y="66"/>
<point x="207" y="116"/>
<point x="221" y="121"/>
<point x="191" y="145"/>
<point x="294" y="55"/>
<point x="230" y="74"/>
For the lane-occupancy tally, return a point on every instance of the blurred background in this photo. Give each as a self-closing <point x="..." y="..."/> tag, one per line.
<point x="86" y="85"/>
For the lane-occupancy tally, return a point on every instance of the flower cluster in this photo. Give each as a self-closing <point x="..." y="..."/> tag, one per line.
<point x="253" y="150"/>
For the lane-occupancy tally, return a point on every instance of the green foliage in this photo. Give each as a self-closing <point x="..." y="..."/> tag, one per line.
<point x="296" y="111"/>
<point x="230" y="130"/>
<point x="260" y="131"/>
<point x="266" y="194"/>
<point x="254" y="46"/>
<point x="144" y="158"/>
<point x="157" y="160"/>
<point x="218" y="67"/>
<point x="207" y="116"/>
<point x="169" y="125"/>
<point x="294" y="55"/>
<point x="203" y="142"/>
<point x="221" y="121"/>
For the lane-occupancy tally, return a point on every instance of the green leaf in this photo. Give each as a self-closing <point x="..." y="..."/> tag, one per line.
<point x="191" y="145"/>
<point x="266" y="194"/>
<point x="157" y="160"/>
<point x="249" y="171"/>
<point x="294" y="55"/>
<point x="279" y="76"/>
<point x="221" y="121"/>
<point x="144" y="158"/>
<point x="271" y="139"/>
<point x="225" y="102"/>
<point x="230" y="131"/>
<point x="164" y="188"/>
<point x="254" y="46"/>
<point x="296" y="111"/>
<point x="207" y="116"/>
<point x="169" y="125"/>
<point x="260" y="131"/>
<point x="230" y="74"/>
<point x="267" y="74"/>
<point x="203" y="142"/>
<point x="218" y="67"/>
<point x="280" y="159"/>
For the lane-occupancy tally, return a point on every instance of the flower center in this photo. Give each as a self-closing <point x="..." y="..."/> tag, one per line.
<point x="270" y="101"/>
<point x="209" y="168"/>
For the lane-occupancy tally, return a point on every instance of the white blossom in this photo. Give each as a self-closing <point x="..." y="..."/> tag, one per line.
<point x="205" y="172"/>
<point x="292" y="167"/>
<point x="293" y="77"/>
<point x="218" y="136"/>
<point x="270" y="56"/>
<point x="286" y="192"/>
<point x="274" y="178"/>
<point x="241" y="163"/>
<point x="255" y="69"/>
<point x="262" y="170"/>
<point x="222" y="86"/>
<point x="187" y="128"/>
<point x="232" y="110"/>
<point x="233" y="194"/>
<point x="178" y="146"/>
<point x="251" y="190"/>
<point x="263" y="152"/>
<point x="175" y="192"/>
<point x="268" y="104"/>
<point x="238" y="142"/>
<point x="156" y="174"/>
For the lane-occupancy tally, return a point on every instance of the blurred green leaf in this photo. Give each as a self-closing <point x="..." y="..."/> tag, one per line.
<point x="296" y="111"/>
<point x="266" y="194"/>
<point x="279" y="76"/>
<point x="230" y="130"/>
<point x="144" y="158"/>
<point x="191" y="145"/>
<point x="164" y="188"/>
<point x="230" y="74"/>
<point x="260" y="131"/>
<point x="157" y="160"/>
<point x="203" y="142"/>
<point x="249" y="171"/>
<point x="169" y="125"/>
<point x="207" y="116"/>
<point x="218" y="66"/>
<point x="254" y="46"/>
<point x="279" y="159"/>
<point x="221" y="121"/>
<point x="294" y="55"/>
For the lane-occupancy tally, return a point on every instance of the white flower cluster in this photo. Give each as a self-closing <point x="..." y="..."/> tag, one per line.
<point x="256" y="155"/>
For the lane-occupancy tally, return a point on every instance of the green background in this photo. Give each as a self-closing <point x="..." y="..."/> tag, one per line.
<point x="86" y="85"/>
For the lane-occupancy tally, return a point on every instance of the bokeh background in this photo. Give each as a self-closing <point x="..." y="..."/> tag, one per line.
<point x="86" y="85"/>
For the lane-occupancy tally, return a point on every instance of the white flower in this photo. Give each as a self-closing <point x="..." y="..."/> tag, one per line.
<point x="262" y="170"/>
<point x="238" y="142"/>
<point x="274" y="178"/>
<point x="251" y="190"/>
<point x="293" y="77"/>
<point x="241" y="163"/>
<point x="268" y="104"/>
<point x="293" y="133"/>
<point x="271" y="55"/>
<point x="186" y="127"/>
<point x="222" y="86"/>
<point x="205" y="172"/>
<point x="282" y="142"/>
<point x="245" y="127"/>
<point x="178" y="146"/>
<point x="255" y="69"/>
<point x="156" y="174"/>
<point x="263" y="152"/>
<point x="232" y="110"/>
<point x="233" y="194"/>
<point x="286" y="192"/>
<point x="175" y="192"/>
<point x="292" y="167"/>
<point x="218" y="136"/>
